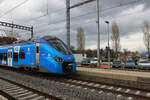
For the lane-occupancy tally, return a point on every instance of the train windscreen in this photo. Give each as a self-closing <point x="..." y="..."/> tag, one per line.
<point x="58" y="45"/>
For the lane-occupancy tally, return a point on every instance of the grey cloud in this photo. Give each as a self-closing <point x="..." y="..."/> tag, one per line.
<point x="146" y="3"/>
<point x="54" y="22"/>
<point x="1" y="1"/>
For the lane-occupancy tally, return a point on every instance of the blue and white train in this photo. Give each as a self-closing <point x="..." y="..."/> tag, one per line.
<point x="45" y="54"/>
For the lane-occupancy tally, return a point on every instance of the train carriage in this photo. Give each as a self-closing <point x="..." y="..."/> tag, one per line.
<point x="46" y="54"/>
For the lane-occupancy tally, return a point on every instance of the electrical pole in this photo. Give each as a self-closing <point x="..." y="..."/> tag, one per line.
<point x="107" y="22"/>
<point x="31" y="32"/>
<point x="68" y="8"/>
<point x="108" y="48"/>
<point x="12" y="28"/>
<point x="68" y="21"/>
<point x="98" y="33"/>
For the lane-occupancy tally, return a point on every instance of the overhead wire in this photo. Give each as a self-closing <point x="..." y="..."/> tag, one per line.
<point x="20" y="4"/>
<point x="64" y="8"/>
<point x="14" y="8"/>
<point x="89" y="13"/>
<point x="92" y="12"/>
<point x="47" y="13"/>
<point x="53" y="29"/>
<point x="47" y="10"/>
<point x="92" y="20"/>
<point x="120" y="5"/>
<point x="106" y="9"/>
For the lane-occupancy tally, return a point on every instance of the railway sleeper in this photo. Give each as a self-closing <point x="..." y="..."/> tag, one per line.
<point x="14" y="91"/>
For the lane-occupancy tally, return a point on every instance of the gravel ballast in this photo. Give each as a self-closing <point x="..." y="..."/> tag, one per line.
<point x="64" y="91"/>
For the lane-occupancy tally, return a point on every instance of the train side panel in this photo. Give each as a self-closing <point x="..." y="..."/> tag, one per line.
<point x="26" y="56"/>
<point x="3" y="55"/>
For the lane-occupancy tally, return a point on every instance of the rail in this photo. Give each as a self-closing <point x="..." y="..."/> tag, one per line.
<point x="14" y="91"/>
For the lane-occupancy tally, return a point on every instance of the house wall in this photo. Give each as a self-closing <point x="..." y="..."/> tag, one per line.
<point x="79" y="57"/>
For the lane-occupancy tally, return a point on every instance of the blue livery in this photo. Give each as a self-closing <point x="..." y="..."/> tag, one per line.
<point x="46" y="54"/>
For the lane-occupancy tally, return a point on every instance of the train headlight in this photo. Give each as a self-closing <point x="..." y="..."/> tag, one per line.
<point x="58" y="59"/>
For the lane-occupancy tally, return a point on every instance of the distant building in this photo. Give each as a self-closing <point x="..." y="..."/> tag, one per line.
<point x="133" y="55"/>
<point x="79" y="56"/>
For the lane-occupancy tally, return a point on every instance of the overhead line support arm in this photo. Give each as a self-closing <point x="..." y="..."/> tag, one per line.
<point x="68" y="7"/>
<point x="81" y="3"/>
<point x="11" y="25"/>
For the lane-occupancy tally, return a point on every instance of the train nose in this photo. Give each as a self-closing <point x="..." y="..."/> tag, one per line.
<point x="67" y="67"/>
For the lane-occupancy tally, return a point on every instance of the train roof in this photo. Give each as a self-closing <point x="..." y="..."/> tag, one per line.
<point x="49" y="37"/>
<point x="39" y="40"/>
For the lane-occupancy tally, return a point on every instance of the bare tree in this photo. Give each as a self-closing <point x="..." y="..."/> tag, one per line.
<point x="115" y="38"/>
<point x="72" y="47"/>
<point x="80" y="39"/>
<point x="146" y="37"/>
<point x="13" y="34"/>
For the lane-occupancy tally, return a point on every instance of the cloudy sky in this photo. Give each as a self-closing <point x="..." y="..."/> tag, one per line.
<point x="48" y="18"/>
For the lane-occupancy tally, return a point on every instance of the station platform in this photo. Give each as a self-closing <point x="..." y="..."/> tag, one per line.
<point x="120" y="77"/>
<point x="3" y="98"/>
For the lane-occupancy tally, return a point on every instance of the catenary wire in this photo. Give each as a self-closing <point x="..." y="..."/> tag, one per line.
<point x="7" y="12"/>
<point x="106" y="9"/>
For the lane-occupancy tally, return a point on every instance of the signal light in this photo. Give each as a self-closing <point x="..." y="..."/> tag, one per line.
<point x="42" y="54"/>
<point x="69" y="57"/>
<point x="58" y="59"/>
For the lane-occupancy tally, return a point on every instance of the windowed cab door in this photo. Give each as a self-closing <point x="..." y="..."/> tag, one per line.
<point x="37" y="55"/>
<point x="9" y="56"/>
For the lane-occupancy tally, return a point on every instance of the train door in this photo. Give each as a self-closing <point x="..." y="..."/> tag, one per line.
<point x="9" y="56"/>
<point x="37" y="55"/>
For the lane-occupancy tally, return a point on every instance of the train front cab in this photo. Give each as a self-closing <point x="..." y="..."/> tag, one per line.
<point x="21" y="56"/>
<point x="65" y="64"/>
<point x="55" y="60"/>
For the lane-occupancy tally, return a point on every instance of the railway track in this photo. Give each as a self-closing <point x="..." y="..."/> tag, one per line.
<point x="128" y="92"/>
<point x="135" y="93"/>
<point x="14" y="91"/>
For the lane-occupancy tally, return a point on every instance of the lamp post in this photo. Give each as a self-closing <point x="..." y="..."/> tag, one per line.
<point x="107" y="22"/>
<point x="98" y="32"/>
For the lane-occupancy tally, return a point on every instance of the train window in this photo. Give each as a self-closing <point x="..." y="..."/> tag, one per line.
<point x="60" y="46"/>
<point x="5" y="56"/>
<point x="15" y="57"/>
<point x="21" y="55"/>
<point x="1" y="56"/>
<point x="37" y="49"/>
